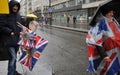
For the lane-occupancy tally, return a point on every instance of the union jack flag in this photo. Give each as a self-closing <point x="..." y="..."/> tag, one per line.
<point x="109" y="33"/>
<point x="32" y="46"/>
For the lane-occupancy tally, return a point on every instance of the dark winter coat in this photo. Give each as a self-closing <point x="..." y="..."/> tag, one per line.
<point x="8" y="24"/>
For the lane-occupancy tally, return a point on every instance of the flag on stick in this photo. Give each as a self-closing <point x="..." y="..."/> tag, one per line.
<point x="32" y="46"/>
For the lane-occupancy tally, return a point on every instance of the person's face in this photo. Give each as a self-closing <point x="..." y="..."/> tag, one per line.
<point x="15" y="8"/>
<point x="110" y="14"/>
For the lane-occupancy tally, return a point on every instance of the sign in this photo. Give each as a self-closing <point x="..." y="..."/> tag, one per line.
<point x="4" y="8"/>
<point x="50" y="9"/>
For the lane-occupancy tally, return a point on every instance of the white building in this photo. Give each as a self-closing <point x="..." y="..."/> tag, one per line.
<point x="30" y="6"/>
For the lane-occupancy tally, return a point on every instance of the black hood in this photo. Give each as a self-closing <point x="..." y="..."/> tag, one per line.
<point x="12" y="3"/>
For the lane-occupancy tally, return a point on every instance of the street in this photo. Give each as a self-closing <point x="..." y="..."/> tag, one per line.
<point x="66" y="52"/>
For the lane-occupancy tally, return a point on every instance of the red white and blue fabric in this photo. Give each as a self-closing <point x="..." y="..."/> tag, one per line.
<point x="107" y="32"/>
<point x="31" y="49"/>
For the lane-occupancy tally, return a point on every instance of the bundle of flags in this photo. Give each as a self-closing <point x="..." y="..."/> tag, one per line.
<point x="32" y="46"/>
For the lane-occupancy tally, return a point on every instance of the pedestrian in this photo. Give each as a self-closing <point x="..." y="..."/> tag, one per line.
<point x="81" y="20"/>
<point x="28" y="20"/>
<point x="103" y="41"/>
<point x="68" y="20"/>
<point x="42" y="24"/>
<point x="31" y="23"/>
<point x="23" y="20"/>
<point x="74" y="21"/>
<point x="9" y="34"/>
<point x="46" y="20"/>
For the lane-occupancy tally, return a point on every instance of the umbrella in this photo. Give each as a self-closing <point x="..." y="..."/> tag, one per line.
<point x="31" y="15"/>
<point x="115" y="4"/>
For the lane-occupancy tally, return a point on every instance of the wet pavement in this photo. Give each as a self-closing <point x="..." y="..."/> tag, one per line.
<point x="66" y="52"/>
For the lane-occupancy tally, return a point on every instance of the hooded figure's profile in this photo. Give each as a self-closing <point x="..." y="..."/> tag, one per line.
<point x="12" y="4"/>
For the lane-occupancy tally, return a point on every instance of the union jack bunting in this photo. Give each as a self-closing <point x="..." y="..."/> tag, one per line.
<point x="32" y="46"/>
<point x="109" y="33"/>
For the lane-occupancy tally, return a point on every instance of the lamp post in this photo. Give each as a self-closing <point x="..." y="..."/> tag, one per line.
<point x="50" y="13"/>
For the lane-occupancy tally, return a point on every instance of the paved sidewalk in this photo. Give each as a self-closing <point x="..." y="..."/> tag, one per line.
<point x="39" y="69"/>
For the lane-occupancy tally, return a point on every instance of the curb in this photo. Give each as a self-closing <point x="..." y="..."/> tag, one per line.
<point x="69" y="28"/>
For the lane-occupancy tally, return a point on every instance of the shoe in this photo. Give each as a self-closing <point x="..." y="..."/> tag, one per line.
<point x="16" y="73"/>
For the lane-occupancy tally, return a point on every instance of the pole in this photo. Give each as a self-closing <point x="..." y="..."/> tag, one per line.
<point x="50" y="13"/>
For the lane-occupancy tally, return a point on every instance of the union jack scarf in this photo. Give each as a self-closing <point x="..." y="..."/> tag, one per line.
<point x="107" y="32"/>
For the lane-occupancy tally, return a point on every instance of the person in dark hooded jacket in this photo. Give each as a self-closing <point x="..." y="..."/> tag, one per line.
<point x="9" y="34"/>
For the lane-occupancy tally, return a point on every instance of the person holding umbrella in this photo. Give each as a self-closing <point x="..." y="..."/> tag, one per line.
<point x="30" y="22"/>
<point x="103" y="42"/>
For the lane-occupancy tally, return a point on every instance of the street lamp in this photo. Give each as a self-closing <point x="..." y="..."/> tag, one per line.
<point x="50" y="13"/>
